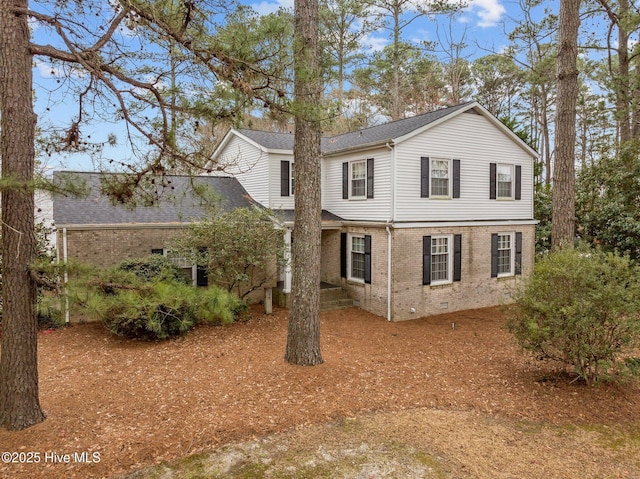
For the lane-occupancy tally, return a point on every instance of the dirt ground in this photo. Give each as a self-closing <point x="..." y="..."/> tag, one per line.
<point x="481" y="407"/>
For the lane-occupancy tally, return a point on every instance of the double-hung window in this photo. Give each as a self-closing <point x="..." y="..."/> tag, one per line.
<point x="440" y="259"/>
<point x="358" y="179"/>
<point x="505" y="254"/>
<point x="357" y="258"/>
<point x="440" y="178"/>
<point x="505" y="181"/>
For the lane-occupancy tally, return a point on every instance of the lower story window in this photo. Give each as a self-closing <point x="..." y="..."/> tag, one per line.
<point x="357" y="257"/>
<point x="505" y="254"/>
<point x="440" y="260"/>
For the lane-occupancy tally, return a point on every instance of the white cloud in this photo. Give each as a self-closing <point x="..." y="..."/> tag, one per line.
<point x="489" y="11"/>
<point x="266" y="7"/>
<point x="374" y="44"/>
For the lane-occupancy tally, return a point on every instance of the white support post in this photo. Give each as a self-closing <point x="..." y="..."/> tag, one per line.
<point x="287" y="256"/>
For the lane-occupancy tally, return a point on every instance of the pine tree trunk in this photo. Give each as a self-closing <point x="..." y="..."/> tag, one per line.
<point x="563" y="217"/>
<point x="19" y="403"/>
<point x="303" y="340"/>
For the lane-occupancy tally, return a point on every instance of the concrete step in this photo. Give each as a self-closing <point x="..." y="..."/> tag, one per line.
<point x="334" y="298"/>
<point x="336" y="304"/>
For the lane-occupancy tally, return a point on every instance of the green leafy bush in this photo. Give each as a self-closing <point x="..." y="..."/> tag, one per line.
<point x="155" y="267"/>
<point x="580" y="307"/>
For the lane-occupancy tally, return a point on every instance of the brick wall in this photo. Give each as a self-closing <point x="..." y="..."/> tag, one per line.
<point x="476" y="289"/>
<point x="109" y="246"/>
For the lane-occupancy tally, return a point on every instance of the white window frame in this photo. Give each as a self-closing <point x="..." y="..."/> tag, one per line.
<point x="352" y="179"/>
<point x="448" y="177"/>
<point x="449" y="256"/>
<point x="182" y="263"/>
<point x="350" y="276"/>
<point x="291" y="177"/>
<point x="512" y="253"/>
<point x="511" y="183"/>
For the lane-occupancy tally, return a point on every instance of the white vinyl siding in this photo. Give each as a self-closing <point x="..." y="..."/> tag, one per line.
<point x="276" y="200"/>
<point x="477" y="142"/>
<point x="377" y="208"/>
<point x="251" y="166"/>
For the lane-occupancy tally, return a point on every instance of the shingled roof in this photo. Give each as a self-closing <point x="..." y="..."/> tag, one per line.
<point x="368" y="136"/>
<point x="178" y="201"/>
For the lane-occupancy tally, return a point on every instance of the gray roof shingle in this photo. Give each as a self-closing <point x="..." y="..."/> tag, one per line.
<point x="373" y="135"/>
<point x="178" y="201"/>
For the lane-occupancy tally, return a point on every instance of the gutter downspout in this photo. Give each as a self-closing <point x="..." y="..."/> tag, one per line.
<point x="393" y="206"/>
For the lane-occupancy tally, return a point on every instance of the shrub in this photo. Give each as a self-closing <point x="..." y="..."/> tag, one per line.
<point x="160" y="310"/>
<point x="155" y="267"/>
<point x="580" y="307"/>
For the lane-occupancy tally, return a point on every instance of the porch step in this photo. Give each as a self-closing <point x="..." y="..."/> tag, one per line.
<point x="334" y="298"/>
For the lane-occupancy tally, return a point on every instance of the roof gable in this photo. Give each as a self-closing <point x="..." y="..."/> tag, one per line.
<point x="391" y="132"/>
<point x="180" y="199"/>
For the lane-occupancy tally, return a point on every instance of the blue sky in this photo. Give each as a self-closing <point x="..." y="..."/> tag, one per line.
<point x="483" y="24"/>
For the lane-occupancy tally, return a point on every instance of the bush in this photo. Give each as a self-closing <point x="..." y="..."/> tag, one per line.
<point x="155" y="267"/>
<point x="580" y="307"/>
<point x="161" y="310"/>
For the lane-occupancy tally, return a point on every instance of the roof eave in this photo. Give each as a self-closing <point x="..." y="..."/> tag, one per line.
<point x="364" y="147"/>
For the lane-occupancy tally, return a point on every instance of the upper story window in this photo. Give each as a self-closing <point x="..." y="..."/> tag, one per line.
<point x="357" y="179"/>
<point x="440" y="176"/>
<point x="505" y="181"/>
<point x="286" y="178"/>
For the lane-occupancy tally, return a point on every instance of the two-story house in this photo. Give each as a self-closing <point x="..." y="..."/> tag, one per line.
<point x="423" y="215"/>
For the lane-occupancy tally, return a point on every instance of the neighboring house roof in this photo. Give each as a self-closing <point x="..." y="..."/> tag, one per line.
<point x="178" y="201"/>
<point x="391" y="132"/>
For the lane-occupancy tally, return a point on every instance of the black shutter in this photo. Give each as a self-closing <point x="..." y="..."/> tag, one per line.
<point x="492" y="180"/>
<point x="370" y="178"/>
<point x="494" y="255"/>
<point x="367" y="259"/>
<point x="202" y="277"/>
<point x="345" y="181"/>
<point x="457" y="257"/>
<point x="424" y="177"/>
<point x="518" y="253"/>
<point x="343" y="255"/>
<point x="518" y="192"/>
<point x="426" y="260"/>
<point x="456" y="178"/>
<point x="284" y="177"/>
